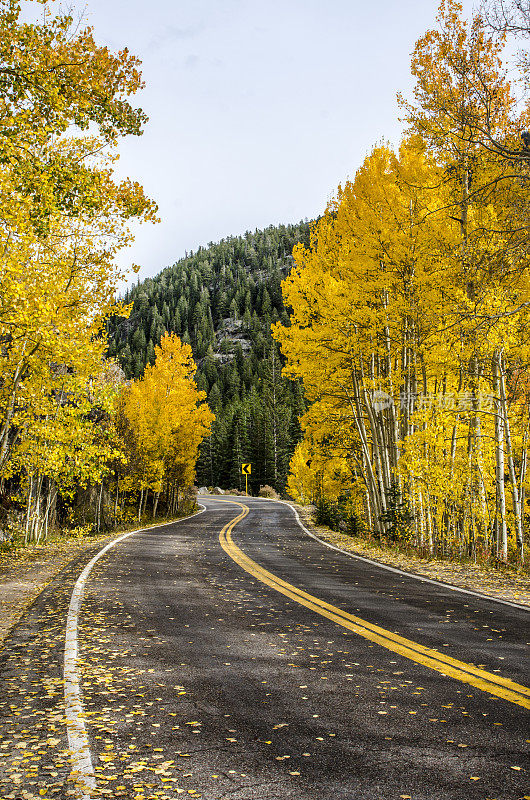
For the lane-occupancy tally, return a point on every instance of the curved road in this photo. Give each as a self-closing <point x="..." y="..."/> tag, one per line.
<point x="231" y="656"/>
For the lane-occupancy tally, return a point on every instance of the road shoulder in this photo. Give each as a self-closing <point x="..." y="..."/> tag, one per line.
<point x="25" y="573"/>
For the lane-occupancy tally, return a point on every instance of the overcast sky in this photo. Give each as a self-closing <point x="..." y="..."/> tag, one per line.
<point x="258" y="108"/>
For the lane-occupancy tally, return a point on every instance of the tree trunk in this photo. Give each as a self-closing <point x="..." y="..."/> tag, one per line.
<point x="511" y="468"/>
<point x="140" y="505"/>
<point x="500" y="505"/>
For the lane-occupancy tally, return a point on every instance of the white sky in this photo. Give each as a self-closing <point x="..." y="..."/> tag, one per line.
<point x="258" y="108"/>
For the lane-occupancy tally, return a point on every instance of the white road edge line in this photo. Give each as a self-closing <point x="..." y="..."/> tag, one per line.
<point x="395" y="569"/>
<point x="82" y="767"/>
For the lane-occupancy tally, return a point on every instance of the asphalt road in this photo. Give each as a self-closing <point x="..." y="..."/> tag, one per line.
<point x="201" y="676"/>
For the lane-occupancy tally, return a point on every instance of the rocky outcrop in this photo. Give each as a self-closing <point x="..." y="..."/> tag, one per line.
<point x="229" y="334"/>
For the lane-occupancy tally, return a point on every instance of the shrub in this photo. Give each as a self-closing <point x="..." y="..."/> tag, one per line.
<point x="339" y="516"/>
<point x="80" y="531"/>
<point x="268" y="491"/>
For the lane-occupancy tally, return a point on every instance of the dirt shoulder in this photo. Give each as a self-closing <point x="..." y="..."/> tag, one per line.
<point x="24" y="573"/>
<point x="504" y="584"/>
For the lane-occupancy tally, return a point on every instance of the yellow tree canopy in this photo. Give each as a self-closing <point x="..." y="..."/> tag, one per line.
<point x="167" y="414"/>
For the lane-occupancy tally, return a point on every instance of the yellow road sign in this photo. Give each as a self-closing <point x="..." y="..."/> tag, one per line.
<point x="246" y="469"/>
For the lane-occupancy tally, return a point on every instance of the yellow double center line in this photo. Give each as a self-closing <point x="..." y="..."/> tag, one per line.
<point x="450" y="667"/>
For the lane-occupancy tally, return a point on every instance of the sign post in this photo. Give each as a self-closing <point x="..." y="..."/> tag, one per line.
<point x="246" y="470"/>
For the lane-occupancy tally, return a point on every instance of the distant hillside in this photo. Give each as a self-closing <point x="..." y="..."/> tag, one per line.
<point x="222" y="300"/>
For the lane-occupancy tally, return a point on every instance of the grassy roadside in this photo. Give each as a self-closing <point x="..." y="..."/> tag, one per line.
<point x="506" y="583"/>
<point x="26" y="571"/>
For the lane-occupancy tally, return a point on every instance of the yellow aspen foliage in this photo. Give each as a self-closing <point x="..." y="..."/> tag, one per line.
<point x="302" y="481"/>
<point x="64" y="106"/>
<point x="320" y="465"/>
<point x="410" y="322"/>
<point x="167" y="418"/>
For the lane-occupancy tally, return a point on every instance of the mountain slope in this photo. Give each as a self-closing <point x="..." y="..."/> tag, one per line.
<point x="222" y="300"/>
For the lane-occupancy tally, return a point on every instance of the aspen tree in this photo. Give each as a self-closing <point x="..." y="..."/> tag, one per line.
<point x="465" y="110"/>
<point x="410" y="308"/>
<point x="64" y="107"/>
<point x="168" y="420"/>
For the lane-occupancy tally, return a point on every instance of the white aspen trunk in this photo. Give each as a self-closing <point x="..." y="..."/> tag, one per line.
<point x="368" y="509"/>
<point x="28" y="507"/>
<point x="428" y="520"/>
<point x="453" y="448"/>
<point x="480" y="469"/>
<point x="500" y="510"/>
<point x="404" y="394"/>
<point x="140" y="505"/>
<point x="36" y="517"/>
<point x="52" y="493"/>
<point x="394" y="425"/>
<point x="376" y="451"/>
<point x="388" y="473"/>
<point x="522" y="485"/>
<point x="455" y="427"/>
<point x="522" y="478"/>
<point x="100" y="500"/>
<point x="421" y="519"/>
<point x="476" y="427"/>
<point x="489" y="522"/>
<point x="371" y="481"/>
<point x="413" y="360"/>
<point x="470" y="490"/>
<point x="414" y="513"/>
<point x="511" y="468"/>
<point x="374" y="490"/>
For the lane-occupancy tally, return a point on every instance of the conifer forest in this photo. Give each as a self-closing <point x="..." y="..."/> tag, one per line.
<point x="222" y="302"/>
